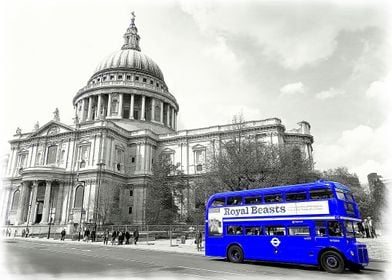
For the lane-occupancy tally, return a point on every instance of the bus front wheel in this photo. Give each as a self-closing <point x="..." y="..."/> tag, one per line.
<point x="235" y="254"/>
<point x="332" y="262"/>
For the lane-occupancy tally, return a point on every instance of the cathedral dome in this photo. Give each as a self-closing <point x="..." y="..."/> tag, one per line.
<point x="130" y="59"/>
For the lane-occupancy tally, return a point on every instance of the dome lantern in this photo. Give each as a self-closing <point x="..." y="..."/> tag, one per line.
<point x="131" y="38"/>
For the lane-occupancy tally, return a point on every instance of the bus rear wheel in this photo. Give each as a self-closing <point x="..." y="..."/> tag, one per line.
<point x="235" y="254"/>
<point x="332" y="262"/>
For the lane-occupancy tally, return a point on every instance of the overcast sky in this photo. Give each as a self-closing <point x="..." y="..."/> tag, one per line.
<point x="319" y="61"/>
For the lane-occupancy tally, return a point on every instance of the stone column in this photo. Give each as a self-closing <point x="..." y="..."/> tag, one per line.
<point x="168" y="115"/>
<point x="131" y="106"/>
<point x="47" y="202"/>
<point x="83" y="109"/>
<point x="22" y="203"/>
<point x="90" y="108"/>
<point x="33" y="202"/>
<point x="99" y="106"/>
<point x="109" y="105"/>
<point x="143" y="108"/>
<point x="59" y="203"/>
<point x="120" y="105"/>
<point x="161" y="118"/>
<point x="172" y="120"/>
<point x="153" y="109"/>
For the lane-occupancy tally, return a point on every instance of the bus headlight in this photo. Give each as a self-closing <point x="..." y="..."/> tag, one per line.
<point x="352" y="253"/>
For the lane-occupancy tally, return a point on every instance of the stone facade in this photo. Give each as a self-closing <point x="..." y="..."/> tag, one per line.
<point x="124" y="117"/>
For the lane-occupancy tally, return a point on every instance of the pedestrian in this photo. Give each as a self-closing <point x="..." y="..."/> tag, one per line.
<point x="63" y="234"/>
<point x="23" y="232"/>
<point x="199" y="239"/>
<point x="114" y="235"/>
<point x="93" y="235"/>
<point x="87" y="234"/>
<point x="372" y="229"/>
<point x="27" y="232"/>
<point x="135" y="236"/>
<point x="366" y="227"/>
<point x="105" y="237"/>
<point x="127" y="237"/>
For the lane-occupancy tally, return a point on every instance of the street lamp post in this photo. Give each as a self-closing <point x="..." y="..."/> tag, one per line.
<point x="81" y="208"/>
<point x="100" y="165"/>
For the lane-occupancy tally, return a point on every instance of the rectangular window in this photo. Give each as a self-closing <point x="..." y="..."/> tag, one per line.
<point x="133" y="159"/>
<point x="157" y="85"/>
<point x="275" y="230"/>
<point x="253" y="199"/>
<point x="128" y="77"/>
<point x="350" y="229"/>
<point x="199" y="167"/>
<point x="321" y="229"/>
<point x="334" y="228"/>
<point x="350" y="197"/>
<point x="130" y="192"/>
<point x="104" y="78"/>
<point x="302" y="231"/>
<point x="253" y="230"/>
<point x="234" y="200"/>
<point x="218" y="202"/>
<point x="340" y="195"/>
<point x="296" y="196"/>
<point x="129" y="210"/>
<point x="151" y="82"/>
<point x="119" y="77"/>
<point x="144" y="80"/>
<point x="273" y="198"/>
<point x="321" y="194"/>
<point x="234" y="230"/>
<point x="136" y="78"/>
<point x="349" y="208"/>
<point x="111" y="77"/>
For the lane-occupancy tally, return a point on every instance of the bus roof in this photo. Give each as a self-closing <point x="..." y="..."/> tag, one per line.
<point x="297" y="187"/>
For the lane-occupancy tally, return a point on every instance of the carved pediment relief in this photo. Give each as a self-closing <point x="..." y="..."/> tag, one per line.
<point x="198" y="147"/>
<point x="52" y="128"/>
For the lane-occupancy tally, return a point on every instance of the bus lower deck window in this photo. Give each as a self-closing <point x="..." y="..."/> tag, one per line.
<point x="321" y="229"/>
<point x="252" y="230"/>
<point x="302" y="231"/>
<point x="234" y="230"/>
<point x="275" y="230"/>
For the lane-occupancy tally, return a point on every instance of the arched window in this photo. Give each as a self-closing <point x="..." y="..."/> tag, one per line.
<point x="79" y="197"/>
<point x="15" y="200"/>
<point x="52" y="152"/>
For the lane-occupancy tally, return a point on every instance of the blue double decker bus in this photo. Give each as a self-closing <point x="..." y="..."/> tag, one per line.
<point x="309" y="224"/>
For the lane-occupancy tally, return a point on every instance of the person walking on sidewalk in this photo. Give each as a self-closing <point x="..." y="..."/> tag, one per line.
<point x="127" y="237"/>
<point x="366" y="227"/>
<point x="372" y="229"/>
<point x="135" y="236"/>
<point x="105" y="237"/>
<point x="114" y="235"/>
<point x="63" y="234"/>
<point x="198" y="240"/>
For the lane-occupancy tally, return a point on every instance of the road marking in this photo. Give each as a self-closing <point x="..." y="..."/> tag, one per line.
<point x="209" y="270"/>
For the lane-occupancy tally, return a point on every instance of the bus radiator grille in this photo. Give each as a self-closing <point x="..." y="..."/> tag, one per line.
<point x="363" y="255"/>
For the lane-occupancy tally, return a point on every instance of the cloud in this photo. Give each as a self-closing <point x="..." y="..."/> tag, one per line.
<point x="292" y="89"/>
<point x="294" y="36"/>
<point x="330" y="93"/>
<point x="362" y="149"/>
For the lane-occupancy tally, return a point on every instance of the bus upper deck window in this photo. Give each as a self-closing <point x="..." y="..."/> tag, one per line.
<point x="271" y="198"/>
<point x="218" y="202"/>
<point x="234" y="200"/>
<point x="297" y="196"/>
<point x="253" y="200"/>
<point x="340" y="195"/>
<point x="321" y="194"/>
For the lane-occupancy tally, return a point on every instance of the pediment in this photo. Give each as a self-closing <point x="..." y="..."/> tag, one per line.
<point x="52" y="128"/>
<point x="198" y="147"/>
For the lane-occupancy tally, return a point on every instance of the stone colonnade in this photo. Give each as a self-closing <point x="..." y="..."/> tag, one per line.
<point x="134" y="106"/>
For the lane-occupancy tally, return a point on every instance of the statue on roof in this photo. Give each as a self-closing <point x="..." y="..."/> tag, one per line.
<point x="56" y="115"/>
<point x="36" y="126"/>
<point x="18" y="131"/>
